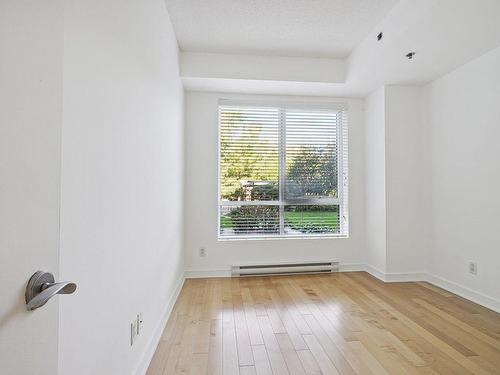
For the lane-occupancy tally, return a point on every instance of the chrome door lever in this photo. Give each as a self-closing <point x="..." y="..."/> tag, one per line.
<point x="42" y="287"/>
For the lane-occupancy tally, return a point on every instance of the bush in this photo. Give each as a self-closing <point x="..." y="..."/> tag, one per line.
<point x="268" y="192"/>
<point x="255" y="219"/>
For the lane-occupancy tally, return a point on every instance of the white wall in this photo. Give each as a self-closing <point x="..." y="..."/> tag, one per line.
<point x="374" y="189"/>
<point x="200" y="220"/>
<point x="262" y="68"/>
<point x="462" y="135"/>
<point x="31" y="55"/>
<point x="404" y="183"/>
<point x="393" y="184"/>
<point x="121" y="235"/>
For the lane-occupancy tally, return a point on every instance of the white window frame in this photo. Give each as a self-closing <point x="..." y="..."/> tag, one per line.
<point x="343" y="178"/>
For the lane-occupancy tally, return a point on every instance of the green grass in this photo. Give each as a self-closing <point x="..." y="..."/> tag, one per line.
<point x="328" y="219"/>
<point x="226" y="222"/>
<point x="300" y="219"/>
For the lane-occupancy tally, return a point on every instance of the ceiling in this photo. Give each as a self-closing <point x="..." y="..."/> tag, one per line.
<point x="306" y="28"/>
<point x="445" y="34"/>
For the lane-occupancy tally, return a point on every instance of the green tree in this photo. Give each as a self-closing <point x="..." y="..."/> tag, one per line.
<point x="312" y="172"/>
<point x="247" y="153"/>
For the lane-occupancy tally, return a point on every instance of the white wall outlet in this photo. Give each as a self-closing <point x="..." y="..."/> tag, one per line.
<point x="473" y="268"/>
<point x="139" y="323"/>
<point x="203" y="252"/>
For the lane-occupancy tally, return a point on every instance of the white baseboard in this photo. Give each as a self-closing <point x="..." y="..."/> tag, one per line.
<point x="405" y="277"/>
<point x="150" y="349"/>
<point x="395" y="277"/>
<point x="477" y="297"/>
<point x="375" y="272"/>
<point x="352" y="267"/>
<point x="203" y="273"/>
<point x="349" y="267"/>
<point x="226" y="272"/>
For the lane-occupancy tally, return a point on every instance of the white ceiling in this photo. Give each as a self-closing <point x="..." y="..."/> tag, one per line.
<point x="445" y="34"/>
<point x="307" y="28"/>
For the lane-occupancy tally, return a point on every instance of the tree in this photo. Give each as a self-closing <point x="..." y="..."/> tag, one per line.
<point x="312" y="172"/>
<point x="246" y="154"/>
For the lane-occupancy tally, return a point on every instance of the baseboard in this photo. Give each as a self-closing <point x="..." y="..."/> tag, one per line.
<point x="352" y="267"/>
<point x="477" y="297"/>
<point x="395" y="277"/>
<point x="150" y="349"/>
<point x="226" y="272"/>
<point x="349" y="267"/>
<point x="405" y="277"/>
<point x="375" y="272"/>
<point x="204" y="273"/>
<point x="452" y="287"/>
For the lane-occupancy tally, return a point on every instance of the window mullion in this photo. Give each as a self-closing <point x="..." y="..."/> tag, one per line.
<point x="341" y="175"/>
<point x="282" y="167"/>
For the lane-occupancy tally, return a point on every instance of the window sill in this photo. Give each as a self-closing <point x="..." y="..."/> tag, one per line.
<point x="266" y="238"/>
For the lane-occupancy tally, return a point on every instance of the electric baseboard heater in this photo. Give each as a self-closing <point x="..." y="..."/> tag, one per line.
<point x="271" y="269"/>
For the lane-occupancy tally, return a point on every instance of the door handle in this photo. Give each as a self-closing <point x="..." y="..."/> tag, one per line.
<point x="42" y="287"/>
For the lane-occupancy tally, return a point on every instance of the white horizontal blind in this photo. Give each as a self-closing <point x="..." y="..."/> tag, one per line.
<point x="249" y="170"/>
<point x="282" y="171"/>
<point x="311" y="155"/>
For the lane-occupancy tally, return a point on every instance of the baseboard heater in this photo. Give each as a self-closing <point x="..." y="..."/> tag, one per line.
<point x="284" y="268"/>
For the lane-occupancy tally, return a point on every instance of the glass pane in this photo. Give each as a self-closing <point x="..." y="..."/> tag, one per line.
<point x="249" y="153"/>
<point x="249" y="220"/>
<point x="312" y="219"/>
<point x="311" y="155"/>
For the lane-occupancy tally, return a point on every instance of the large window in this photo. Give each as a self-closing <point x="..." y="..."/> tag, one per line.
<point x="282" y="171"/>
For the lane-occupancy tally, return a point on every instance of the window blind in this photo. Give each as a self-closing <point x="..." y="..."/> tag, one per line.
<point x="282" y="171"/>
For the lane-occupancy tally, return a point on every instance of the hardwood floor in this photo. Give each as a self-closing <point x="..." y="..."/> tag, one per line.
<point x="341" y="323"/>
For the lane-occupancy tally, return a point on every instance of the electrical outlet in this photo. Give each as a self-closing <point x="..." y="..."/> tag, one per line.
<point x="202" y="252"/>
<point x="473" y="268"/>
<point x="139" y="323"/>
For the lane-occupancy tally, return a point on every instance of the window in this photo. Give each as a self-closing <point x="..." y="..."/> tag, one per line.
<point x="282" y="171"/>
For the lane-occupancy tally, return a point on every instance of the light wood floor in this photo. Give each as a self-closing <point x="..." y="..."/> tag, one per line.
<point x="344" y="323"/>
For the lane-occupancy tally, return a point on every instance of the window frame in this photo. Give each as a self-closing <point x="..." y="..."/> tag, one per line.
<point x="342" y="171"/>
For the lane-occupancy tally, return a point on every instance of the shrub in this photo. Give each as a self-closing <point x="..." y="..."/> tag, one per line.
<point x="255" y="219"/>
